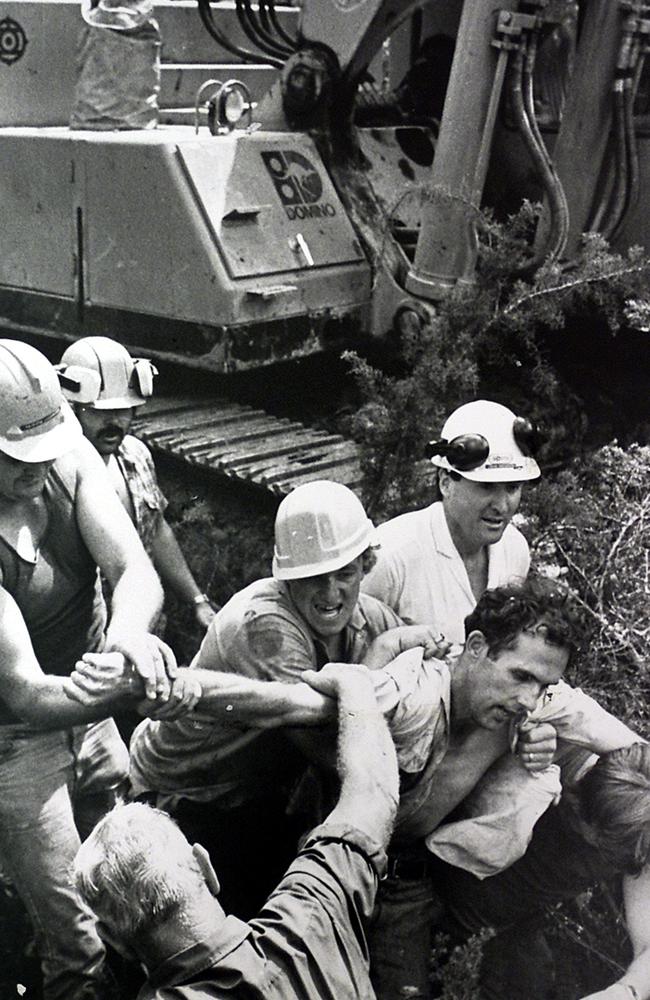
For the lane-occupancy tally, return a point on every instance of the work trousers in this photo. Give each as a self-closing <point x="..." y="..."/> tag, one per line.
<point x="44" y="779"/>
<point x="421" y="898"/>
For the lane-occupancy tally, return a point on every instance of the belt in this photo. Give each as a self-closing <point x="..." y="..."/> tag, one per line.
<point x="408" y="866"/>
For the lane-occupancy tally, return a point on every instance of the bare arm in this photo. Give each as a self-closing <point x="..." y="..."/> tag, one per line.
<point x="137" y="595"/>
<point x="366" y="761"/>
<point x="38" y="698"/>
<point x="174" y="572"/>
<point x="234" y="699"/>
<point x="636" y="896"/>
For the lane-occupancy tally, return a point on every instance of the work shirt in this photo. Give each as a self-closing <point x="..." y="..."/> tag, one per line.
<point x="307" y="943"/>
<point x="260" y="634"/>
<point x="148" y="503"/>
<point x="54" y="579"/>
<point x="420" y="574"/>
<point x="421" y="721"/>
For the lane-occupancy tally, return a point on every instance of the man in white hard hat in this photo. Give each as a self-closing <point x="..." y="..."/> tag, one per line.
<point x="158" y="898"/>
<point x="229" y="786"/>
<point x="435" y="563"/>
<point x="125" y="384"/>
<point x="220" y="781"/>
<point x="59" y="521"/>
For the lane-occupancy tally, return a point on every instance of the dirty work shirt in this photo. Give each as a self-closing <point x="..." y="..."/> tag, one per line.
<point x="308" y="941"/>
<point x="441" y="774"/>
<point x="421" y="576"/>
<point x="259" y="633"/>
<point x="148" y="503"/>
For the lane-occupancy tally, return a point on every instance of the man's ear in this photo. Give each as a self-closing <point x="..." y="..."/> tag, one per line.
<point x="444" y="479"/>
<point x="476" y="644"/>
<point x="202" y="859"/>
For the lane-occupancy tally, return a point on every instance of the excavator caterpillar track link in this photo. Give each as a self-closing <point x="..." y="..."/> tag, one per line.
<point x="246" y="444"/>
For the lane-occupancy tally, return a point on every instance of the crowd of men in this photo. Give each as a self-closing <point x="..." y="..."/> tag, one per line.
<point x="371" y="745"/>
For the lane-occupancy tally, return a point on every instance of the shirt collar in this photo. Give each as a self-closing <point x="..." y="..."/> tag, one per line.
<point x="201" y="955"/>
<point x="440" y="531"/>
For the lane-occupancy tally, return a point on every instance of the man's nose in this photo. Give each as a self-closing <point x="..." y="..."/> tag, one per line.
<point x="500" y="499"/>
<point x="328" y="586"/>
<point x="529" y="696"/>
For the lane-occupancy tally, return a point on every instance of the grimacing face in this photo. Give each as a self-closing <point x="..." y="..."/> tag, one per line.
<point x="510" y="683"/>
<point x="478" y="513"/>
<point x="105" y="429"/>
<point x="22" y="480"/>
<point x="327" y="601"/>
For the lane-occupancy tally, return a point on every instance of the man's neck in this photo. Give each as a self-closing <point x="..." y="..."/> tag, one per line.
<point x="180" y="933"/>
<point x="461" y="679"/>
<point x="466" y="548"/>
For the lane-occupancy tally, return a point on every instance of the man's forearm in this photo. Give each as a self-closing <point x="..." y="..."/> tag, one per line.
<point x="136" y="601"/>
<point x="45" y="705"/>
<point x="171" y="564"/>
<point x="261" y="704"/>
<point x="367" y="763"/>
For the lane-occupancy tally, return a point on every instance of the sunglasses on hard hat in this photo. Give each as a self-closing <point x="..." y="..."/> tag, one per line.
<point x="468" y="451"/>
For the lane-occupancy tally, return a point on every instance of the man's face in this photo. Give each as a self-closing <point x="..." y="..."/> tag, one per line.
<point x="105" y="429"/>
<point x="327" y="601"/>
<point x="511" y="682"/>
<point x="478" y="513"/>
<point x="22" y="480"/>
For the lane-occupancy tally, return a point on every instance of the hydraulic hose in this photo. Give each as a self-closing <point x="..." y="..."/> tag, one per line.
<point x="637" y="60"/>
<point x="543" y="166"/>
<point x="267" y="26"/>
<point x="256" y="34"/>
<point x="245" y="55"/>
<point x="269" y="6"/>
<point x="557" y="199"/>
<point x="618" y="197"/>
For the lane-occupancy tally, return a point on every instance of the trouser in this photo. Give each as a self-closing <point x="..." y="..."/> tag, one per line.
<point x="423" y="896"/>
<point x="558" y="865"/>
<point x="43" y="777"/>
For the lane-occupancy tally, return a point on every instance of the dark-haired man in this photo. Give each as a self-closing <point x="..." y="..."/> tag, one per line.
<point x="459" y="719"/>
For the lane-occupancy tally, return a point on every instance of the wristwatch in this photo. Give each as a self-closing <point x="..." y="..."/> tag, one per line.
<point x="201" y="599"/>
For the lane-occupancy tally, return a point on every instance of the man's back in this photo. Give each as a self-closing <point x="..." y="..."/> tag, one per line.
<point x="307" y="942"/>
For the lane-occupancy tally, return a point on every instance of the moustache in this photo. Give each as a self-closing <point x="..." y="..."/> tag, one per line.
<point x="112" y="430"/>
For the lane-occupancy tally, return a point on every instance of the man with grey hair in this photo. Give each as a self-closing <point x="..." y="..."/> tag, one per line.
<point x="155" y="896"/>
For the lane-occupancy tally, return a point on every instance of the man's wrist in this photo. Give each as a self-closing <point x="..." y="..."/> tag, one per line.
<point x="199" y="599"/>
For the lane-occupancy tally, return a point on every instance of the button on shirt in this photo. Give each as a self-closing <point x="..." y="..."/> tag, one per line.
<point x="308" y="941"/>
<point x="420" y="574"/>
<point x="260" y="634"/>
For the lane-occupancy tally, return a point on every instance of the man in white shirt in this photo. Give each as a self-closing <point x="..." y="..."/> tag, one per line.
<point x="435" y="563"/>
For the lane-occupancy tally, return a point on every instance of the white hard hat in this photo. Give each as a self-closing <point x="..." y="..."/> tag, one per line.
<point x="36" y="423"/>
<point x="319" y="528"/>
<point x="486" y="443"/>
<point x="124" y="381"/>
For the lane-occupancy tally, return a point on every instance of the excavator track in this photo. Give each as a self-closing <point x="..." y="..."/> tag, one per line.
<point x="246" y="444"/>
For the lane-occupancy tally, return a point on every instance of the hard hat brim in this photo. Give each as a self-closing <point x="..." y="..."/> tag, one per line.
<point x="48" y="446"/>
<point x="520" y="473"/>
<point x="119" y="403"/>
<point x="328" y="566"/>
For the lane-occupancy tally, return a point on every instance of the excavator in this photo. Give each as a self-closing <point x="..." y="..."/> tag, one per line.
<point x="310" y="180"/>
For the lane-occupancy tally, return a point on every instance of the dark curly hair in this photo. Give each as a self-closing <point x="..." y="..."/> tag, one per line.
<point x="537" y="606"/>
<point x="614" y="800"/>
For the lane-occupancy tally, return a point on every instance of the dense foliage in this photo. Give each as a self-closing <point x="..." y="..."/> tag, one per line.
<point x="494" y="338"/>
